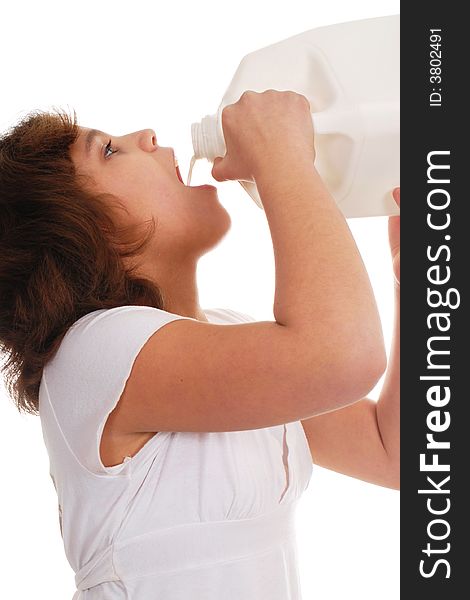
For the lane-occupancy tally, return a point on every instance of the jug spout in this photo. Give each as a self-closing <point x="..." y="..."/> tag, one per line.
<point x="207" y="138"/>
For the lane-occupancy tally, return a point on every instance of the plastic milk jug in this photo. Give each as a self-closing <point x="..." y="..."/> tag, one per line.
<point x="350" y="74"/>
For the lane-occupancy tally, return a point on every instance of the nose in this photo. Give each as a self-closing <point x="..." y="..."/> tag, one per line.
<point x="148" y="139"/>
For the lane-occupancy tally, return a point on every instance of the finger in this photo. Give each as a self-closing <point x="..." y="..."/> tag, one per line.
<point x="396" y="195"/>
<point x="217" y="173"/>
<point x="394" y="234"/>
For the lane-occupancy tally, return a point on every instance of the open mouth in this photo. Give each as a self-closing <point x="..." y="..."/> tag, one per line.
<point x="178" y="170"/>
<point x="180" y="179"/>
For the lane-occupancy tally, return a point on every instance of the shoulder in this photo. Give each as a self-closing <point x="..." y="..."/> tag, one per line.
<point x="128" y="312"/>
<point x="83" y="381"/>
<point x="104" y="342"/>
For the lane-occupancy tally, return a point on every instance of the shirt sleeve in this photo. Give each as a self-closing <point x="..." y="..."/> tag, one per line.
<point x="88" y="373"/>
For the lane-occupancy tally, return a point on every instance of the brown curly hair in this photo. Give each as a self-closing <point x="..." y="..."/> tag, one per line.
<point x="60" y="250"/>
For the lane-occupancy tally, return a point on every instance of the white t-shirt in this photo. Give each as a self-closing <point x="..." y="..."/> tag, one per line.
<point x="191" y="515"/>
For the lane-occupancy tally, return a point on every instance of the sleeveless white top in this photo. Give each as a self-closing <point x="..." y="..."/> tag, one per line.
<point x="191" y="515"/>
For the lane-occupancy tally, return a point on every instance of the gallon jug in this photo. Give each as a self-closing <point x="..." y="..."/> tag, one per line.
<point x="350" y="74"/>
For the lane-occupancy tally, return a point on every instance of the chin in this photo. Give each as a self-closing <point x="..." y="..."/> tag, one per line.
<point x="213" y="230"/>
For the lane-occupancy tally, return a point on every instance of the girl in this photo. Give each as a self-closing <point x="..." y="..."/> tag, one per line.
<point x="180" y="438"/>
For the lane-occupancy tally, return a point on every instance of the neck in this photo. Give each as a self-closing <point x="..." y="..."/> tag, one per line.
<point x="179" y="285"/>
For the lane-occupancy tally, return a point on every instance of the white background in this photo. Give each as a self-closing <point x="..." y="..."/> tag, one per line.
<point x="164" y="65"/>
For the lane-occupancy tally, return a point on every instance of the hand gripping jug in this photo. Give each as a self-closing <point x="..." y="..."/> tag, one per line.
<point x="350" y="74"/>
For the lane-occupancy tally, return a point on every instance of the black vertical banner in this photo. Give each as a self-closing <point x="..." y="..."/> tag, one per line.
<point x="435" y="351"/>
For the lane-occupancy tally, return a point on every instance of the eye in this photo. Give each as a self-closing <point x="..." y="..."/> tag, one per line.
<point x="108" y="147"/>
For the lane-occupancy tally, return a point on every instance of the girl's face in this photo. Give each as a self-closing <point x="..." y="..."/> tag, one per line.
<point x="190" y="219"/>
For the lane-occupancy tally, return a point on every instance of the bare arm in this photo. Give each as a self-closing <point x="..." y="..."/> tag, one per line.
<point x="363" y="440"/>
<point x="322" y="286"/>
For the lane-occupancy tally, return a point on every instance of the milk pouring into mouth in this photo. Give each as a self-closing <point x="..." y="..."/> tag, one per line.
<point x="191" y="167"/>
<point x="350" y="74"/>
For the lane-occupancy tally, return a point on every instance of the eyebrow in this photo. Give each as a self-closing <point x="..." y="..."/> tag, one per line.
<point x="91" y="135"/>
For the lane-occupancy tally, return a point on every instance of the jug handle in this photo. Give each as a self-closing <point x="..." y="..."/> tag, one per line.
<point x="327" y="122"/>
<point x="349" y="123"/>
<point x="331" y="121"/>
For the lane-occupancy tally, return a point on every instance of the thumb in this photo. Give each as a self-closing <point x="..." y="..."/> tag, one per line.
<point x="219" y="169"/>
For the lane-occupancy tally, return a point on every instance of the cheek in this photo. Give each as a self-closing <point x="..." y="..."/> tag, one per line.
<point x="165" y="204"/>
<point x="143" y="192"/>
